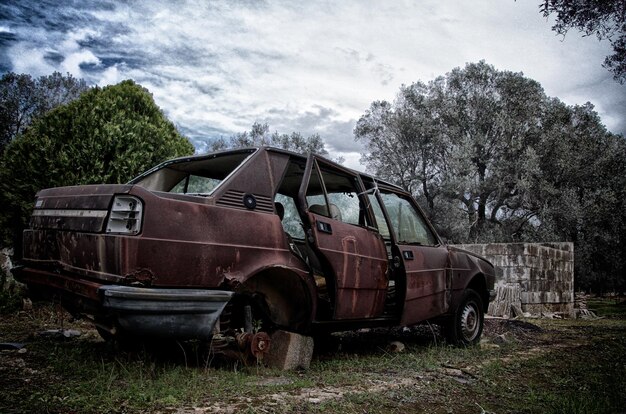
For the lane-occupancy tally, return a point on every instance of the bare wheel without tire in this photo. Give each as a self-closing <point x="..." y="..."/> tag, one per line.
<point x="466" y="325"/>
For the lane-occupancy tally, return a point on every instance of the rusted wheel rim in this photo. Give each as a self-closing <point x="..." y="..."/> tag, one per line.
<point x="470" y="321"/>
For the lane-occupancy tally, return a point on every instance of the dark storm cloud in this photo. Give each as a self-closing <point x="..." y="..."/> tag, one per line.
<point x="6" y="38"/>
<point x="86" y="35"/>
<point x="52" y="16"/>
<point x="54" y="58"/>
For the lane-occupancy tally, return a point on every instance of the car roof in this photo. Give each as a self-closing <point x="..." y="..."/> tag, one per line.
<point x="252" y="150"/>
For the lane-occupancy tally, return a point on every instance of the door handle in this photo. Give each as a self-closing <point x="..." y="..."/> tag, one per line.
<point x="324" y="227"/>
<point x="407" y="254"/>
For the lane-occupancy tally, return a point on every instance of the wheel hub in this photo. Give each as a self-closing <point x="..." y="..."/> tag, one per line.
<point x="470" y="322"/>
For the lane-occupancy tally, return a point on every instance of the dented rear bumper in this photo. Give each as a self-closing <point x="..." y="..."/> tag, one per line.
<point x="181" y="313"/>
<point x="156" y="312"/>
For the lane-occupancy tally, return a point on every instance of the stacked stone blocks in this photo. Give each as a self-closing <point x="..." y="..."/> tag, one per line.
<point x="544" y="271"/>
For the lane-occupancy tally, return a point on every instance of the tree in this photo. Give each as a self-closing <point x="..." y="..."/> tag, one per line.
<point x="403" y="142"/>
<point x="491" y="119"/>
<point x="462" y="138"/>
<point x="108" y="135"/>
<point x="259" y="134"/>
<point x="604" y="18"/>
<point x="583" y="193"/>
<point x="491" y="158"/>
<point x="23" y="99"/>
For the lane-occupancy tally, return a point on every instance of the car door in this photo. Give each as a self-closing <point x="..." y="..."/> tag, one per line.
<point x="352" y="253"/>
<point x="419" y="259"/>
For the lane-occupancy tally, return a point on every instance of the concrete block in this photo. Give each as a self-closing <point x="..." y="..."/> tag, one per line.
<point x="534" y="298"/>
<point x="524" y="296"/>
<point x="545" y="252"/>
<point x="289" y="351"/>
<point x="535" y="274"/>
<point x="499" y="260"/>
<point x="544" y="271"/>
<point x="500" y="274"/>
<point x="531" y="261"/>
<point x="495" y="249"/>
<point x="532" y="250"/>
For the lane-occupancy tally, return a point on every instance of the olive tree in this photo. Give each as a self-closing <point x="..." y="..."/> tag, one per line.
<point x="491" y="158"/>
<point x="459" y="143"/>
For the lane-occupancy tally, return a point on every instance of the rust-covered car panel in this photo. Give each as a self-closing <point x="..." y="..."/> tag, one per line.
<point x="359" y="263"/>
<point x="428" y="282"/>
<point x="203" y="245"/>
<point x="467" y="268"/>
<point x="208" y="251"/>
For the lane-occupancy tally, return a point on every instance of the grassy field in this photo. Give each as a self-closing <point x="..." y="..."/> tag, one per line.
<point x="532" y="366"/>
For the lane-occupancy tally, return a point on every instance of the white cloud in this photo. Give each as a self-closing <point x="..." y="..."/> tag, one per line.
<point x="110" y="76"/>
<point x="30" y="60"/>
<point x="351" y="160"/>
<point x="73" y="61"/>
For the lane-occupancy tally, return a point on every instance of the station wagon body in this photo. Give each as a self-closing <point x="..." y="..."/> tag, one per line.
<point x="202" y="245"/>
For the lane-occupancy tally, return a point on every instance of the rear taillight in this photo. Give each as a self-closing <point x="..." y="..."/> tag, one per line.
<point x="125" y="215"/>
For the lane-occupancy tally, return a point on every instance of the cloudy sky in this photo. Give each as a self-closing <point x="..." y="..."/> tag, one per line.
<point x="215" y="67"/>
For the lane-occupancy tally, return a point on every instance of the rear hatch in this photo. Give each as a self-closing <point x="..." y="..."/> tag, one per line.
<point x="72" y="231"/>
<point x="79" y="208"/>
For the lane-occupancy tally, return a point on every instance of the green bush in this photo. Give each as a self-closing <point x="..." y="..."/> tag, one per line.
<point x="108" y="135"/>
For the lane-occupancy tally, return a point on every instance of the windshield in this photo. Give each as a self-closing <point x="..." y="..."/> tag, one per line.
<point x="199" y="176"/>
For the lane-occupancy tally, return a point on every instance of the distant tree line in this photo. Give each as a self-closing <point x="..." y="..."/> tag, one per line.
<point x="260" y="134"/>
<point x="491" y="158"/>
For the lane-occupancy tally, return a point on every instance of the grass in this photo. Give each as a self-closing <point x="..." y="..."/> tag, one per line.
<point x="10" y="294"/>
<point x="608" y="307"/>
<point x="568" y="366"/>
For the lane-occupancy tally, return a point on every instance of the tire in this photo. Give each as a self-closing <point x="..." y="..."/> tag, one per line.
<point x="465" y="326"/>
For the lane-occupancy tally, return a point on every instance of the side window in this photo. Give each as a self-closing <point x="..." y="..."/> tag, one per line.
<point x="372" y="200"/>
<point x="407" y="223"/>
<point x="383" y="229"/>
<point x="195" y="184"/>
<point x="291" y="219"/>
<point x="344" y="203"/>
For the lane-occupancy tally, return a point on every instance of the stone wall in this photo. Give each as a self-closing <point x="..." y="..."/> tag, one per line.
<point x="544" y="271"/>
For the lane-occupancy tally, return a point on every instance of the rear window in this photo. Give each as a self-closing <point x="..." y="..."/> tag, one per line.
<point x="200" y="176"/>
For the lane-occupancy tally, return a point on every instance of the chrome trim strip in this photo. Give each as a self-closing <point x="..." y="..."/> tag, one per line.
<point x="69" y="213"/>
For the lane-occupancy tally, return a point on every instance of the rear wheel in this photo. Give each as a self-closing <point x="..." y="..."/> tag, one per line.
<point x="244" y="329"/>
<point x="466" y="325"/>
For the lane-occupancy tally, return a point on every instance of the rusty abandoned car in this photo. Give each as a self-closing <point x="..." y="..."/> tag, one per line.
<point x="249" y="241"/>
